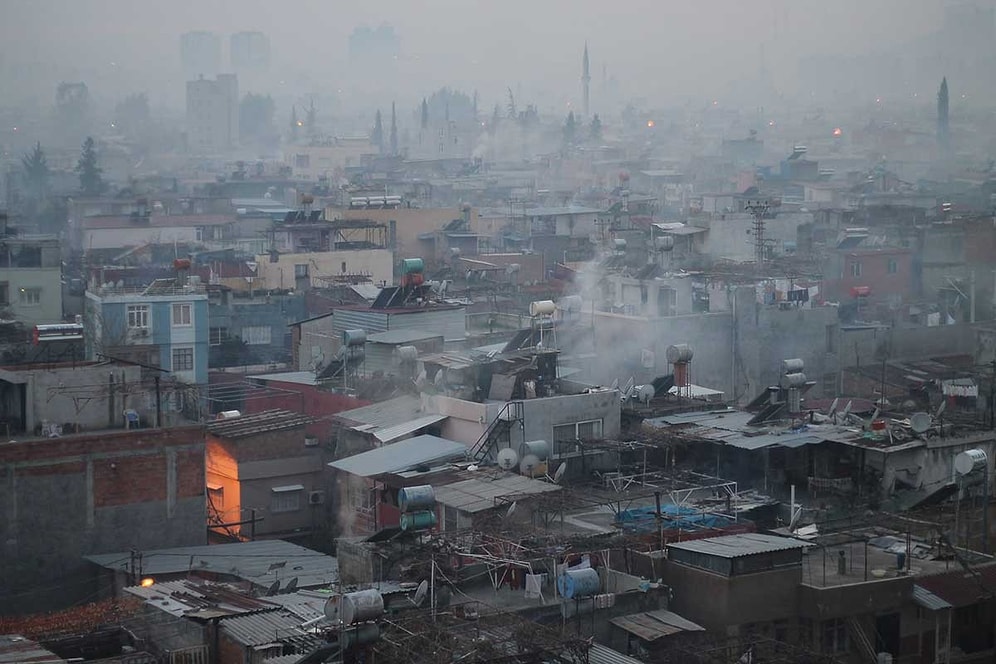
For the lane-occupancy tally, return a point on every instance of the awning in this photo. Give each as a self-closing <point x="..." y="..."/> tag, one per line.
<point x="391" y="434"/>
<point x="653" y="625"/>
<point x="928" y="600"/>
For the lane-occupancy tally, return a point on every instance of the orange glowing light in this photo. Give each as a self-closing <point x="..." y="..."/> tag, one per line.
<point x="838" y="132"/>
<point x="651" y="123"/>
<point x="148" y="581"/>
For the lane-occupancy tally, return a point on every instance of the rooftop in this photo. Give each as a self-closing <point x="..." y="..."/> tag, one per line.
<point x="735" y="546"/>
<point x="402" y="336"/>
<point x="261" y="562"/>
<point x="401" y="456"/>
<point x="653" y="625"/>
<point x="16" y="649"/>
<point x="244" y="426"/>
<point x="482" y="493"/>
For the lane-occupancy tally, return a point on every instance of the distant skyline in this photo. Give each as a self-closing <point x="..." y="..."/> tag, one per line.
<point x="663" y="51"/>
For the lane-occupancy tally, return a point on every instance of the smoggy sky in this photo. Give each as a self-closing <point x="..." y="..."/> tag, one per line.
<point x="685" y="48"/>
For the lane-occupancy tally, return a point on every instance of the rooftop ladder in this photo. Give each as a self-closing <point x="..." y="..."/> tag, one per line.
<point x="510" y="414"/>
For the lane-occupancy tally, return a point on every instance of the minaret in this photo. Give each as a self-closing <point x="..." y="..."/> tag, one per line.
<point x="942" y="115"/>
<point x="586" y="80"/>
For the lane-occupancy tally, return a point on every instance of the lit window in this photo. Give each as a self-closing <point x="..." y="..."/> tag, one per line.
<point x="183" y="359"/>
<point x="286" y="498"/>
<point x="138" y="316"/>
<point x="182" y="315"/>
<point x="30" y="296"/>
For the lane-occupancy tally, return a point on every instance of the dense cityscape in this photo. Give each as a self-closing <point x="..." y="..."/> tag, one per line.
<point x="459" y="335"/>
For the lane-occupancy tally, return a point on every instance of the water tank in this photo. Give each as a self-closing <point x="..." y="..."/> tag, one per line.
<point x="679" y="353"/>
<point x="575" y="584"/>
<point x="619" y="244"/>
<point x="407" y="353"/>
<point x="664" y="242"/>
<point x="363" y="635"/>
<point x="883" y="658"/>
<point x="411" y="521"/>
<point x="415" y="498"/>
<point x="794" y="365"/>
<point x="542" y="308"/>
<point x="361" y="606"/>
<point x="354" y="337"/>
<point x="181" y="264"/>
<point x="228" y="414"/>
<point x="412" y="266"/>
<point x="970" y="460"/>
<point x="794" y="380"/>
<point x="538" y="448"/>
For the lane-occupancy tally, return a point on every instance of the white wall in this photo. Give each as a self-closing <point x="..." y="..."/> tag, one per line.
<point x="378" y="263"/>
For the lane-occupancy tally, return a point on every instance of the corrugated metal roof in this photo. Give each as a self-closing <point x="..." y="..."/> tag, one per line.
<point x="257" y="629"/>
<point x="599" y="654"/>
<point x="928" y="600"/>
<point x="729" y="427"/>
<point x="383" y="414"/>
<point x="404" y="455"/>
<point x="653" y="625"/>
<point x="305" y="604"/>
<point x="735" y="546"/>
<point x="17" y="649"/>
<point x="252" y="425"/>
<point x="391" y="434"/>
<point x="188" y="598"/>
<point x="479" y="494"/>
<point x="959" y="588"/>
<point x="262" y="562"/>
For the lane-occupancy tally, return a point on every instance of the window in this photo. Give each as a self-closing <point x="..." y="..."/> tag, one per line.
<point x="217" y="335"/>
<point x="834" y="636"/>
<point x="667" y="300"/>
<point x="566" y="436"/>
<point x="829" y="385"/>
<point x="183" y="359"/>
<point x="302" y="161"/>
<point x="4" y="293"/>
<point x="182" y="315"/>
<point x="831" y="339"/>
<point x="200" y="234"/>
<point x="256" y="335"/>
<point x="451" y="521"/>
<point x="344" y="267"/>
<point x="855" y="269"/>
<point x="301" y="271"/>
<point x="286" y="498"/>
<point x="31" y="296"/>
<point x="893" y="266"/>
<point x="216" y="498"/>
<point x="138" y="316"/>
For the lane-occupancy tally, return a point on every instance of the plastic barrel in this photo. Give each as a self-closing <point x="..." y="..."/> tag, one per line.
<point x="416" y="498"/>
<point x="412" y="265"/>
<point x="418" y="520"/>
<point x="574" y="584"/>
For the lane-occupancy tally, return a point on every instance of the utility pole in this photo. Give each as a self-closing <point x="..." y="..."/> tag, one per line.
<point x="758" y="208"/>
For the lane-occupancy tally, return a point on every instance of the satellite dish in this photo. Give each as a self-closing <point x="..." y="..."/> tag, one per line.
<point x="561" y="469"/>
<point x="833" y="406"/>
<point x="615" y="384"/>
<point x="273" y="589"/>
<point x="627" y="391"/>
<point x="941" y="409"/>
<point x="420" y="593"/>
<point x="875" y="414"/>
<point x="507" y="458"/>
<point x="794" y="518"/>
<point x="511" y="509"/>
<point x="529" y="464"/>
<point x="292" y="586"/>
<point x="919" y="422"/>
<point x="847" y="410"/>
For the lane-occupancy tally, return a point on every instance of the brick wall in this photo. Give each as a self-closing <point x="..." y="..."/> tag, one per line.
<point x="65" y="498"/>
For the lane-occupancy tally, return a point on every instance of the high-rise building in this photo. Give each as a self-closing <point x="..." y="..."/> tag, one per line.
<point x="943" y="126"/>
<point x="213" y="114"/>
<point x="249" y="51"/>
<point x="586" y="81"/>
<point x="200" y="54"/>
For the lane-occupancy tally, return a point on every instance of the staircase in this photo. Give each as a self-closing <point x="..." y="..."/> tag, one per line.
<point x="861" y="639"/>
<point x="498" y="430"/>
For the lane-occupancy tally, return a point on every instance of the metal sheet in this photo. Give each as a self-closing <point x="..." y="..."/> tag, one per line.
<point x="400" y="456"/>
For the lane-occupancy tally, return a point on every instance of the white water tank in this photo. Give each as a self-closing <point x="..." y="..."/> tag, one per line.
<point x="970" y="460"/>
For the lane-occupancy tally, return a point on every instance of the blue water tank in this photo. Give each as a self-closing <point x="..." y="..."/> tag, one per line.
<point x="418" y="521"/>
<point x="574" y="584"/>
<point x="414" y="498"/>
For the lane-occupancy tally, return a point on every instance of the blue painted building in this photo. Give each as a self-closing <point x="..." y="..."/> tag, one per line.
<point x="164" y="325"/>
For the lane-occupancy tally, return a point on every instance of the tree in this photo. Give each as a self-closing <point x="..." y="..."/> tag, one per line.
<point x="36" y="172"/>
<point x="596" y="128"/>
<point x="570" y="128"/>
<point x="394" y="130"/>
<point x="377" y="136"/>
<point x="91" y="182"/>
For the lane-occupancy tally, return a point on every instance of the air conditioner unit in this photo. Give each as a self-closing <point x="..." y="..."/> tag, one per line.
<point x="316" y="497"/>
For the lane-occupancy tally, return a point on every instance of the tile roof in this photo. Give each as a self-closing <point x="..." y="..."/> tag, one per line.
<point x="244" y="426"/>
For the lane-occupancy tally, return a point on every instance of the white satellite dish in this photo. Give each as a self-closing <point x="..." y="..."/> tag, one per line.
<point x="561" y="469"/>
<point x="420" y="593"/>
<point x="507" y="458"/>
<point x="847" y="410"/>
<point x="615" y="384"/>
<point x="511" y="509"/>
<point x="941" y="409"/>
<point x="833" y="406"/>
<point x="919" y="422"/>
<point x="529" y="464"/>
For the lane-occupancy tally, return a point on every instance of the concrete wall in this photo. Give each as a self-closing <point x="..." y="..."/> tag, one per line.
<point x="73" y="496"/>
<point x="87" y="396"/>
<point x="377" y="263"/>
<point x="47" y="280"/>
<point x="409" y="224"/>
<point x="119" y="238"/>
